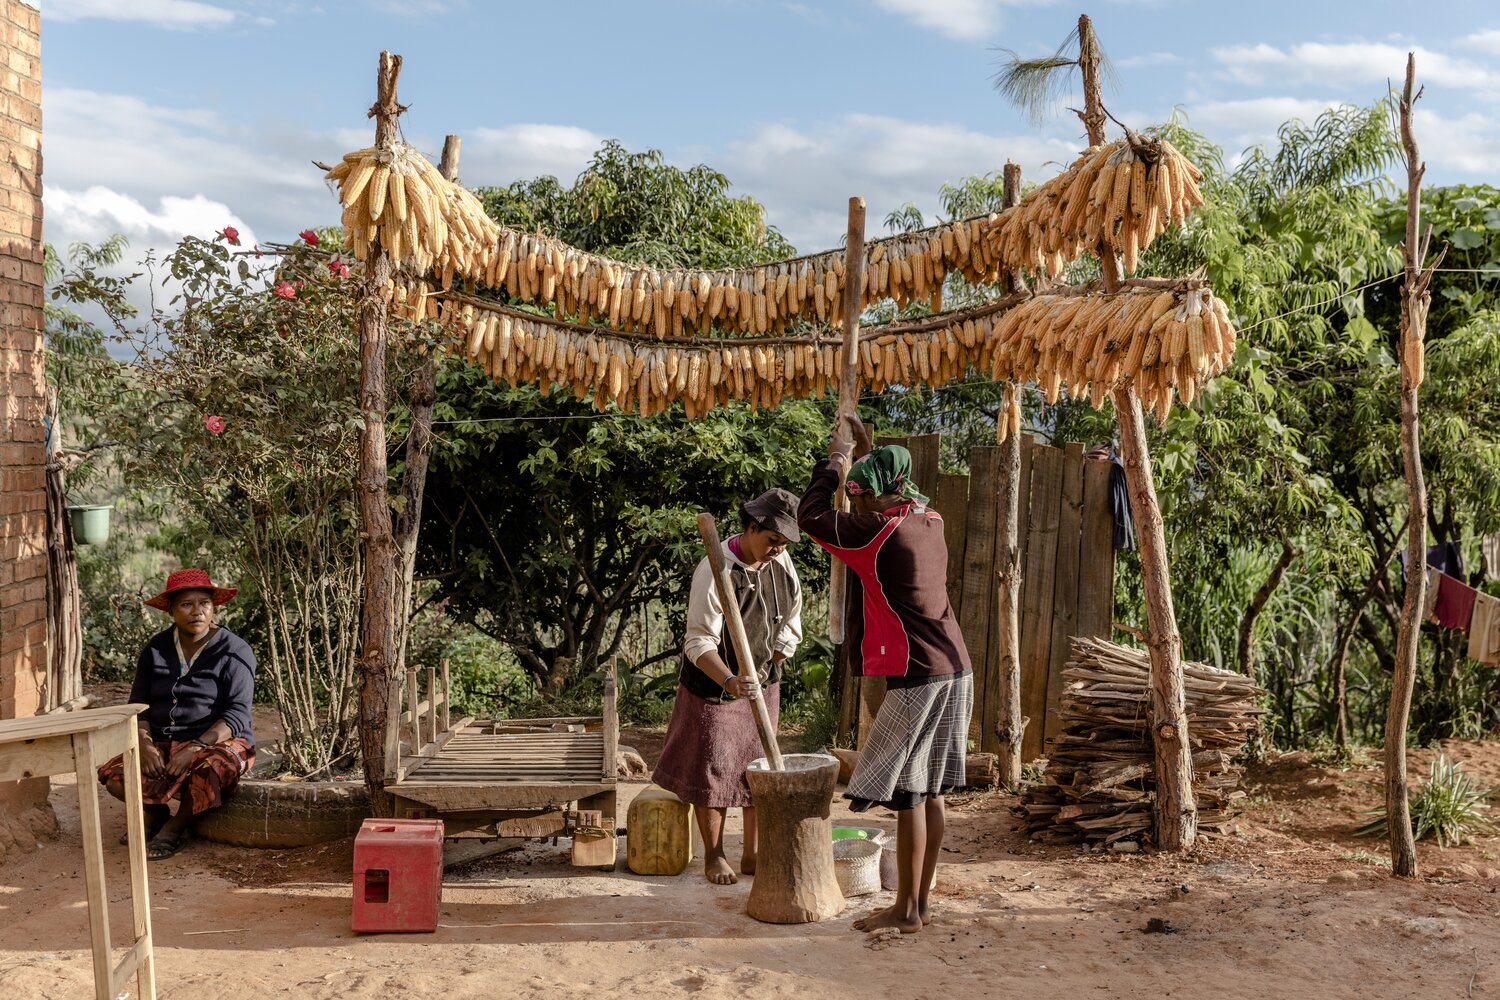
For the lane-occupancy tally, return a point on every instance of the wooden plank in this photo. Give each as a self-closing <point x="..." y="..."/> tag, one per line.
<point x="86" y="721"/>
<point x="461" y="852"/>
<point x="415" y="712"/>
<point x="463" y="794"/>
<point x="952" y="501"/>
<point x="979" y="570"/>
<point x="412" y="761"/>
<point x="1065" y="586"/>
<point x="1023" y="514"/>
<point x="432" y="702"/>
<point x="447" y="694"/>
<point x="1036" y="592"/>
<point x="48" y="755"/>
<point x="924" y="461"/>
<point x="1096" y="553"/>
<point x="610" y="738"/>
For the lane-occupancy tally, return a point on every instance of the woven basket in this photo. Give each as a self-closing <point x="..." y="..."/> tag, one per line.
<point x="856" y="865"/>
<point x="890" y="876"/>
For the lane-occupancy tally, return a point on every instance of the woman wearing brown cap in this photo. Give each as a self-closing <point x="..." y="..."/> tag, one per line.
<point x="197" y="680"/>
<point x="712" y="737"/>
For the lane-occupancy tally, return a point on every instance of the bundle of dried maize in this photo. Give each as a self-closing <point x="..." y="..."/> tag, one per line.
<point x="1165" y="339"/>
<point x="1110" y="194"/>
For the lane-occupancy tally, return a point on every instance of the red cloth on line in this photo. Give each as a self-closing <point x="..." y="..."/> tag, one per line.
<point x="1455" y="603"/>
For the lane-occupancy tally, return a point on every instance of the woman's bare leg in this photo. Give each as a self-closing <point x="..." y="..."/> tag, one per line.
<point x="911" y="850"/>
<point x="711" y="825"/>
<point x="936" y="822"/>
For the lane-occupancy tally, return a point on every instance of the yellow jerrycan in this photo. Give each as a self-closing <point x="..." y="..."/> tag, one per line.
<point x="660" y="834"/>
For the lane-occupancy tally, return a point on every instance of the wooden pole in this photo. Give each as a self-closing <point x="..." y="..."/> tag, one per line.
<point x="737" y="637"/>
<point x="379" y="690"/>
<point x="1176" y="813"/>
<point x="854" y="274"/>
<point x="1415" y="299"/>
<point x="1010" y="727"/>
<point x="421" y="397"/>
<point x="64" y="608"/>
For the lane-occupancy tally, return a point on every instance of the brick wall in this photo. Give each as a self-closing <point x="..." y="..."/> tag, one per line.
<point x="23" y="560"/>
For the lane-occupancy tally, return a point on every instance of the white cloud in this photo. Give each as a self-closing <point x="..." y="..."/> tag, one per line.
<point x="1348" y="62"/>
<point x="1485" y="41"/>
<point x="805" y="177"/>
<point x="174" y="14"/>
<point x="1468" y="144"/>
<point x="1149" y="59"/>
<point x="98" y="212"/>
<point x="519" y="152"/>
<point x="961" y="19"/>
<point x="1252" y="121"/>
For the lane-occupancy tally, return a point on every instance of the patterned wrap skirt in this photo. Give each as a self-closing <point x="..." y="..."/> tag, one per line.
<point x="214" y="772"/>
<point x="917" y="746"/>
<point x="709" y="745"/>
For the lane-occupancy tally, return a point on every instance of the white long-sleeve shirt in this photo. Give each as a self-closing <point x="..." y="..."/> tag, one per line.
<point x="705" y="614"/>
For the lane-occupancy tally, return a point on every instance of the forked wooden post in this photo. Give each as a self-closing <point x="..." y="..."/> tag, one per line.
<point x="379" y="688"/>
<point x="741" y="642"/>
<point x="854" y="274"/>
<point x="1416" y="297"/>
<point x="1176" y="813"/>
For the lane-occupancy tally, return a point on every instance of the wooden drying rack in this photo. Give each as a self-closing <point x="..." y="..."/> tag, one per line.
<point x="497" y="783"/>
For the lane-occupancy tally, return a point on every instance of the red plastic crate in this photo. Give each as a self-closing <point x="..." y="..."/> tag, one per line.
<point x="398" y="875"/>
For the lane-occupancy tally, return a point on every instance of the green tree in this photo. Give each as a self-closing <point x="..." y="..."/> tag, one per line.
<point x="546" y="523"/>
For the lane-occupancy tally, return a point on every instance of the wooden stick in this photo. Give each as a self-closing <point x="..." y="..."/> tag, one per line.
<point x="1415" y="299"/>
<point x="854" y="263"/>
<point x="737" y="637"/>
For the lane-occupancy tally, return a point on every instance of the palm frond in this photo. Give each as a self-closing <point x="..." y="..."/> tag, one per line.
<point x="1035" y="86"/>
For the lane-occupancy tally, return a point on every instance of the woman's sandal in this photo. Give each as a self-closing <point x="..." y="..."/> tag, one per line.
<point x="162" y="848"/>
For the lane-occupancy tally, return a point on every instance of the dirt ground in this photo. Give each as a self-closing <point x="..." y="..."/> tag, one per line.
<point x="1292" y="905"/>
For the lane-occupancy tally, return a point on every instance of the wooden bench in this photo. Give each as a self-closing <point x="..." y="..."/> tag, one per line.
<point x="498" y="783"/>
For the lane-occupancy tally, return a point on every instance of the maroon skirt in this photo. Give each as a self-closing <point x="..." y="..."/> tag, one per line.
<point x="709" y="745"/>
<point x="214" y="772"/>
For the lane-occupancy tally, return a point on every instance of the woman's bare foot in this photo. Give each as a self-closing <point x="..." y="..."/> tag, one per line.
<point x="888" y="918"/>
<point x="747" y="864"/>
<point x="924" y="912"/>
<point x="717" y="871"/>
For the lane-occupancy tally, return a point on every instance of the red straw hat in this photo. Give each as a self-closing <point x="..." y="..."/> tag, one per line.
<point x="189" y="579"/>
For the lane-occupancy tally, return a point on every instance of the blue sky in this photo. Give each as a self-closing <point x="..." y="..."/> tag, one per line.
<point x="169" y="116"/>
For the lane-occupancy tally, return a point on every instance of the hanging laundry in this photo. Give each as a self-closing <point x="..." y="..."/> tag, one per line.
<point x="1490" y="548"/>
<point x="1484" y="630"/>
<point x="1119" y="505"/>
<point x="1429" y="597"/>
<point x="1455" y="603"/>
<point x="1447" y="557"/>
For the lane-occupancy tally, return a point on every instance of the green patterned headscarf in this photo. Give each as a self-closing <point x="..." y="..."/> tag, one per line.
<point x="886" y="469"/>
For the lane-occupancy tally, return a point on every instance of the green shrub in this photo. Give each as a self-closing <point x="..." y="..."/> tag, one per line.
<point x="1450" y="807"/>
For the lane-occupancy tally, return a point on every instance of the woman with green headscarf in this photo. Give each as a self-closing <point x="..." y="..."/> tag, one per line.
<point x="903" y="629"/>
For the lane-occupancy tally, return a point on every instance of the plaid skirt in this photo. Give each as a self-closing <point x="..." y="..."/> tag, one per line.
<point x="214" y="772"/>
<point x="709" y="745"/>
<point x="917" y="746"/>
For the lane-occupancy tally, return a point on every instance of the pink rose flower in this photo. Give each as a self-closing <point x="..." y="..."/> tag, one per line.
<point x="309" y="237"/>
<point x="231" y="236"/>
<point x="338" y="269"/>
<point x="285" y="290"/>
<point x="213" y="424"/>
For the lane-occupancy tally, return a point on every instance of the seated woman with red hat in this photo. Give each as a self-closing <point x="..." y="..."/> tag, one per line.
<point x="196" y="679"/>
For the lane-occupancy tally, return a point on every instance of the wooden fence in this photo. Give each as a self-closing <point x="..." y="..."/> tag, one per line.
<point x="1066" y="540"/>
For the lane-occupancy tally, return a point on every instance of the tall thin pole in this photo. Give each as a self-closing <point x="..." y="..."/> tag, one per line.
<point x="1009" y="728"/>
<point x="1415" y="299"/>
<point x="379" y="691"/>
<point x="1176" y="812"/>
<point x="854" y="278"/>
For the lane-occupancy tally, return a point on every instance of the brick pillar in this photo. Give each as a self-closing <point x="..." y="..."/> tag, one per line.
<point x="24" y="813"/>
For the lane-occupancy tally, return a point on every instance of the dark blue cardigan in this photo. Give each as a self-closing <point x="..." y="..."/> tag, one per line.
<point x="220" y="686"/>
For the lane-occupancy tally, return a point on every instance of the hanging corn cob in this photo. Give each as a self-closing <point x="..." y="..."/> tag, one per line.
<point x="1168" y="340"/>
<point x="1111" y="193"/>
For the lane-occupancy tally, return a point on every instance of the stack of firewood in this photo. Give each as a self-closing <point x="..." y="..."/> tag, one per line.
<point x="1099" y="783"/>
